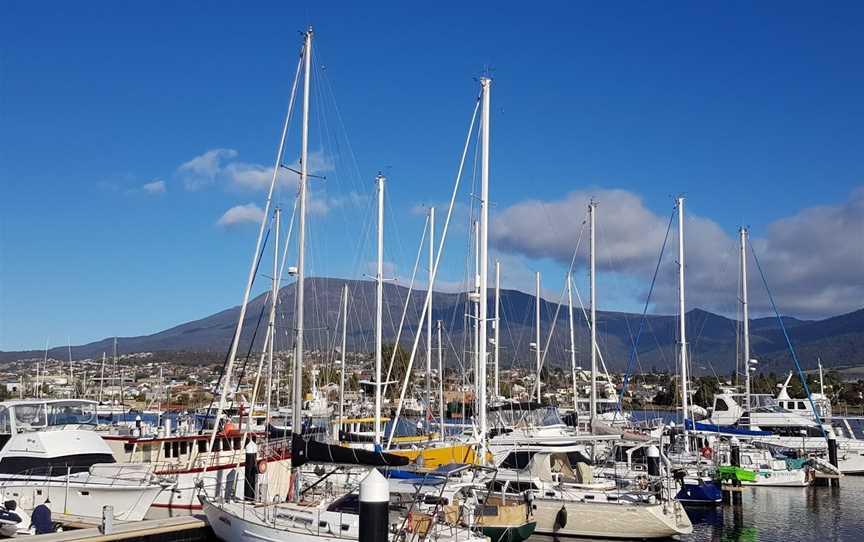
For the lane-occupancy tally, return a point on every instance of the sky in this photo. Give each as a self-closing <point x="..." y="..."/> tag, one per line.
<point x="137" y="141"/>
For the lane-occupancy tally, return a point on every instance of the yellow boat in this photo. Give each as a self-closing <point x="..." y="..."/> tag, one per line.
<point x="426" y="450"/>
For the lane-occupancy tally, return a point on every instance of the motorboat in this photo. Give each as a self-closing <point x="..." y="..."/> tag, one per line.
<point x="51" y="455"/>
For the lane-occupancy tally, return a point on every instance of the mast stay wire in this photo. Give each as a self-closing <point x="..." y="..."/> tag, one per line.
<point x="634" y="353"/>
<point x="438" y="254"/>
<point x="405" y="307"/>
<point x="801" y="374"/>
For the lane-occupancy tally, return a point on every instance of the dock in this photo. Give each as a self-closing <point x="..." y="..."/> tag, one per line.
<point x="176" y="529"/>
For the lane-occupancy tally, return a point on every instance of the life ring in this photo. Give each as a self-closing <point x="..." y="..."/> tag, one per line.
<point x="707" y="452"/>
<point x="262" y="466"/>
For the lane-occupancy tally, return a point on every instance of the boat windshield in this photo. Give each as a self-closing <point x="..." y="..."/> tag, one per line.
<point x="536" y="417"/>
<point x="39" y="415"/>
<point x="72" y="412"/>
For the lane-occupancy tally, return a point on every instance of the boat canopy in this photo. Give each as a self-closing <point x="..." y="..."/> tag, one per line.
<point x="725" y="429"/>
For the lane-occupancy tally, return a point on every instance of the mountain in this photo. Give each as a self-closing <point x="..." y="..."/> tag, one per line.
<point x="839" y="340"/>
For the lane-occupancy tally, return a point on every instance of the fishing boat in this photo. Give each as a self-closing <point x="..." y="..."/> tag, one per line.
<point x="189" y="464"/>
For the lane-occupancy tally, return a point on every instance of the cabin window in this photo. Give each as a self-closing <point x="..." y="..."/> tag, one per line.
<point x="517" y="460"/>
<point x="175" y="448"/>
<point x="226" y="444"/>
<point x="237" y="443"/>
<point x="202" y="446"/>
<point x="184" y="447"/>
<point x="801" y="405"/>
<point x="217" y="445"/>
<point x="720" y="406"/>
<point x="5" y="427"/>
<point x="128" y="447"/>
<point x="167" y="447"/>
<point x="349" y="504"/>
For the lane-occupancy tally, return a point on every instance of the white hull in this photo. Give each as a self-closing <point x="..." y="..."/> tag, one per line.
<point x="221" y="483"/>
<point x="239" y="522"/>
<point x="793" y="478"/>
<point x="230" y="525"/>
<point x="130" y="501"/>
<point x="611" y="520"/>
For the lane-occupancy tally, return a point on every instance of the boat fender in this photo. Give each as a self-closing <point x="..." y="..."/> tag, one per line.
<point x="262" y="466"/>
<point x="561" y="518"/>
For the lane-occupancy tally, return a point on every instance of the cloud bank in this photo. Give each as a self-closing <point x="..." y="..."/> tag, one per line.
<point x="814" y="260"/>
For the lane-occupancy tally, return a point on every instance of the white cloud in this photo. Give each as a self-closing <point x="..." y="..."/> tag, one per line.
<point x="220" y="165"/>
<point x="813" y="260"/>
<point x="241" y="214"/>
<point x="205" y="168"/>
<point x="352" y="199"/>
<point x="154" y="187"/>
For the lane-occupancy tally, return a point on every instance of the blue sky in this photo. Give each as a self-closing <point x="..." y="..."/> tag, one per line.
<point x="753" y="112"/>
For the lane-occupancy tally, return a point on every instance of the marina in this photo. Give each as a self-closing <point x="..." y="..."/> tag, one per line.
<point x="545" y="370"/>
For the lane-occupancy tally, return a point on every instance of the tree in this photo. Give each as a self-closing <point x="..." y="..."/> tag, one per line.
<point x="400" y="367"/>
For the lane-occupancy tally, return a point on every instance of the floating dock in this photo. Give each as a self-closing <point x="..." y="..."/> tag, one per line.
<point x="176" y="529"/>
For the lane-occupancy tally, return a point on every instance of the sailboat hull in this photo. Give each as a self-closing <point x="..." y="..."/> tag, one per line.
<point x="610" y="520"/>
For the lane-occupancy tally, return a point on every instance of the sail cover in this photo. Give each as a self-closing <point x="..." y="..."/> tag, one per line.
<point x="312" y="451"/>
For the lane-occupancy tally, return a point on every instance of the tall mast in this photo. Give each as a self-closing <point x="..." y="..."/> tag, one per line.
<point x="496" y="327"/>
<point x="379" y="303"/>
<point x="592" y="213"/>
<point x="821" y="378"/>
<point x="475" y="309"/>
<point x="101" y="379"/>
<point x="745" y="308"/>
<point x="297" y="396"/>
<point x="114" y="370"/>
<point x="429" y="312"/>
<point x="537" y="329"/>
<point x="483" y="341"/>
<point x="344" y="357"/>
<point x="572" y="341"/>
<point x="682" y="321"/>
<point x="274" y="297"/>
<point x="71" y="374"/>
<point x="440" y="385"/>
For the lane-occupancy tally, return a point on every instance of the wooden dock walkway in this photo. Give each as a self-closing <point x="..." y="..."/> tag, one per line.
<point x="185" y="528"/>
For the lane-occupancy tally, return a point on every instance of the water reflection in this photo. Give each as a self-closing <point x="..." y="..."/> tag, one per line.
<point x="784" y="515"/>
